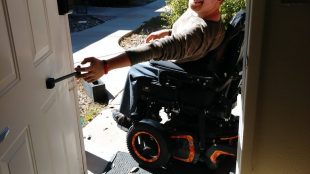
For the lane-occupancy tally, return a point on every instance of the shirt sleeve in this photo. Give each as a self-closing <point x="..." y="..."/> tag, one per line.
<point x="192" y="44"/>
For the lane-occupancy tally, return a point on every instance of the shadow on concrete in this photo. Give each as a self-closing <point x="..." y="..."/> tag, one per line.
<point x="123" y="163"/>
<point x="95" y="164"/>
<point x="81" y="41"/>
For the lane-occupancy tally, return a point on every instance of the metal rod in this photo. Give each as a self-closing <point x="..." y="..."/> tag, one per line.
<point x="50" y="82"/>
<point x="66" y="76"/>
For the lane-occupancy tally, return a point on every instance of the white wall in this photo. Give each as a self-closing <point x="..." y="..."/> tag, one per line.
<point x="276" y="117"/>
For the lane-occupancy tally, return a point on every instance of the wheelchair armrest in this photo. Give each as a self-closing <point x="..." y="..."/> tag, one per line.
<point x="172" y="75"/>
<point x="174" y="79"/>
<point x="167" y="65"/>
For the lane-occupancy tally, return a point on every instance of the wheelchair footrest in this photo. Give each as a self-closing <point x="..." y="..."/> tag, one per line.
<point x="216" y="152"/>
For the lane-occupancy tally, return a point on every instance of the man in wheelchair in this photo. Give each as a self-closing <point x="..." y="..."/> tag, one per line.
<point x="197" y="91"/>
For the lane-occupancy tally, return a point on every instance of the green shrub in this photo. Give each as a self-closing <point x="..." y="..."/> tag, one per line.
<point x="177" y="7"/>
<point x="230" y="7"/>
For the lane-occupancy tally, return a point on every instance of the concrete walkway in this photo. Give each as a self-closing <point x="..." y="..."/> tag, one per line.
<point x="102" y="41"/>
<point x="102" y="138"/>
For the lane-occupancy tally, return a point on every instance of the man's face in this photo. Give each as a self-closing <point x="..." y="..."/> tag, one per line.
<point x="204" y="7"/>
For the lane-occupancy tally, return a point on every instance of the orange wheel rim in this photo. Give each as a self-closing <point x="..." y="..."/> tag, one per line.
<point x="137" y="152"/>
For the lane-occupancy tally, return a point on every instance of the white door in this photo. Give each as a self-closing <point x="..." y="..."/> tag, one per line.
<point x="44" y="127"/>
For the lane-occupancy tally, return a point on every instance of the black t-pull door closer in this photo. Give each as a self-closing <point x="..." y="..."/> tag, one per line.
<point x="50" y="82"/>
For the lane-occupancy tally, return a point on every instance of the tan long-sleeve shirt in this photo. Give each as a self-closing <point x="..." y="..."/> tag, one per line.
<point x="191" y="39"/>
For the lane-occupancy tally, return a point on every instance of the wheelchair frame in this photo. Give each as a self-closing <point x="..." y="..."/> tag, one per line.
<point x="189" y="99"/>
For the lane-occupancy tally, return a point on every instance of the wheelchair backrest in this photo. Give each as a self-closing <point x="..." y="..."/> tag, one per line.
<point x="227" y="58"/>
<point x="222" y="66"/>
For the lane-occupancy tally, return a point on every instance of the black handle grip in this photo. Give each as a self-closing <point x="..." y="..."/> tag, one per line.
<point x="50" y="82"/>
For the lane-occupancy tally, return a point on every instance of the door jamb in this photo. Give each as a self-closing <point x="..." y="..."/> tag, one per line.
<point x="76" y="103"/>
<point x="254" y="33"/>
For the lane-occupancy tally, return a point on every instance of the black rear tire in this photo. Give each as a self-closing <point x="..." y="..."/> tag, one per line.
<point x="148" y="146"/>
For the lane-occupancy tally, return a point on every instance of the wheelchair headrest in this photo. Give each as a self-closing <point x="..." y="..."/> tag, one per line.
<point x="237" y="22"/>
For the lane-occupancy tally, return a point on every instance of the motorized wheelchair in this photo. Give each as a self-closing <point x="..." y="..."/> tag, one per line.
<point x="199" y="124"/>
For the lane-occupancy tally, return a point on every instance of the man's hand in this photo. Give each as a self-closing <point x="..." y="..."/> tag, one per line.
<point x="93" y="72"/>
<point x="157" y="35"/>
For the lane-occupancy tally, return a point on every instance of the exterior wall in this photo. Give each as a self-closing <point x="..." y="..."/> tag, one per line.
<point x="280" y="141"/>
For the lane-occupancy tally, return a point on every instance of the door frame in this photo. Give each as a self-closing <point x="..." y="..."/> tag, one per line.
<point x="253" y="39"/>
<point x="76" y="103"/>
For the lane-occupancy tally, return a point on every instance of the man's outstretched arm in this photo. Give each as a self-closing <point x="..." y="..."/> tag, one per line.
<point x="98" y="68"/>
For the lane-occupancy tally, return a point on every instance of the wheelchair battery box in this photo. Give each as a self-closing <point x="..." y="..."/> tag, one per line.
<point x="155" y="92"/>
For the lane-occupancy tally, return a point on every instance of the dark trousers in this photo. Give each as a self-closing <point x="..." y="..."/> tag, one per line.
<point x="137" y="72"/>
<point x="150" y="73"/>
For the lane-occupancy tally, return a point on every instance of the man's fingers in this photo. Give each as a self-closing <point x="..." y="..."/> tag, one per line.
<point x="78" y="76"/>
<point x="90" y="79"/>
<point x="88" y="59"/>
<point x="84" y="69"/>
<point x="86" y="75"/>
<point x="92" y="72"/>
<point x="149" y="38"/>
